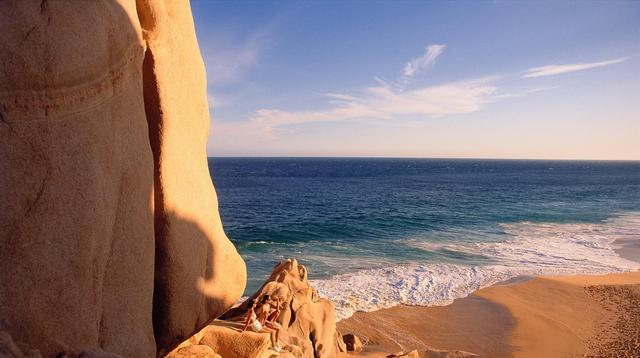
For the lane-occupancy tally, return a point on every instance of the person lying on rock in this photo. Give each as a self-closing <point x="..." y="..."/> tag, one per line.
<point x="257" y="322"/>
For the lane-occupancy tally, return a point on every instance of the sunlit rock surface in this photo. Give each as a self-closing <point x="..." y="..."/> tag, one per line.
<point x="105" y="195"/>
<point x="308" y="321"/>
<point x="199" y="274"/>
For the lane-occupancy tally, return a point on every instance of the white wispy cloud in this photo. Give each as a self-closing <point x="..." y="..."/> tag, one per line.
<point x="388" y="100"/>
<point x="522" y="93"/>
<point x="266" y="127"/>
<point x="341" y="97"/>
<point x="414" y="66"/>
<point x="385" y="102"/>
<point x="551" y="70"/>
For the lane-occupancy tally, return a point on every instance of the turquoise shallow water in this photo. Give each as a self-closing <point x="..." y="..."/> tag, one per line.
<point x="466" y="223"/>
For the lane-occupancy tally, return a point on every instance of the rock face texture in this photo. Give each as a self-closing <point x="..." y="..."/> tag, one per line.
<point x="308" y="321"/>
<point x="105" y="197"/>
<point x="198" y="272"/>
<point x="226" y="339"/>
<point x="76" y="179"/>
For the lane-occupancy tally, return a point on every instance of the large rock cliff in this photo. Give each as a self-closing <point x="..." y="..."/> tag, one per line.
<point x="198" y="272"/>
<point x="108" y="219"/>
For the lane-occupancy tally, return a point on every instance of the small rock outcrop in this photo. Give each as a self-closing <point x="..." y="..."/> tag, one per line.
<point x="197" y="351"/>
<point x="225" y="339"/>
<point x="307" y="321"/>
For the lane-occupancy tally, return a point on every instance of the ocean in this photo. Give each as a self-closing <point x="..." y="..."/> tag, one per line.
<point x="375" y="233"/>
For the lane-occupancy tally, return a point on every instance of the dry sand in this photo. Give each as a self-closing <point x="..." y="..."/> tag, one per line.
<point x="564" y="316"/>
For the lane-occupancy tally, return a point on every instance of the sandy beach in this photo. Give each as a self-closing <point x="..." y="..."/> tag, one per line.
<point x="319" y="179"/>
<point x="560" y="316"/>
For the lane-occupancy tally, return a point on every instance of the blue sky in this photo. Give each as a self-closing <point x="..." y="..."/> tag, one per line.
<point x="468" y="79"/>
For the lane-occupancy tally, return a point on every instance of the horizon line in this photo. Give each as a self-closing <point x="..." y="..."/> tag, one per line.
<point x="416" y="157"/>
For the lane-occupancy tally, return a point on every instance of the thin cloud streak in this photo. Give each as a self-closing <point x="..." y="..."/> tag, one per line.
<point x="551" y="70"/>
<point x="524" y="93"/>
<point x="393" y="101"/>
<point x="384" y="102"/>
<point x="416" y="65"/>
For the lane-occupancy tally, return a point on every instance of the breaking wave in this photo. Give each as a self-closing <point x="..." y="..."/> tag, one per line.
<point x="531" y="249"/>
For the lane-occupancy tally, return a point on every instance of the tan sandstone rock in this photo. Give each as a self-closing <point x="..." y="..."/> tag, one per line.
<point x="308" y="321"/>
<point x="199" y="274"/>
<point x="449" y="354"/>
<point x="198" y="351"/>
<point x="225" y="339"/>
<point x="76" y="178"/>
<point x="433" y="353"/>
<point x="411" y="354"/>
<point x="103" y="171"/>
<point x="230" y="343"/>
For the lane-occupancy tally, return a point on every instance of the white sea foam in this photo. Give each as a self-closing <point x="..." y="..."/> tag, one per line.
<point x="533" y="249"/>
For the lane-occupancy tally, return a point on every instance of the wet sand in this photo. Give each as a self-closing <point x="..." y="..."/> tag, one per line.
<point x="628" y="248"/>
<point x="560" y="316"/>
<point x="471" y="324"/>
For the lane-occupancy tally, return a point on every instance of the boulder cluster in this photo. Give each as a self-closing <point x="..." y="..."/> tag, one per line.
<point x="308" y="325"/>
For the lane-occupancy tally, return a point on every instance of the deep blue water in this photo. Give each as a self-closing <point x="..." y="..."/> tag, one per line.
<point x="340" y="216"/>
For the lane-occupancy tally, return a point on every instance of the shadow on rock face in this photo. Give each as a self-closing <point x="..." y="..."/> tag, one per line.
<point x="109" y="232"/>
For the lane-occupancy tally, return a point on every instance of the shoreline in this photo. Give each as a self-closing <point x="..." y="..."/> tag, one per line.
<point x="531" y="249"/>
<point x="528" y="317"/>
<point x="627" y="248"/>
